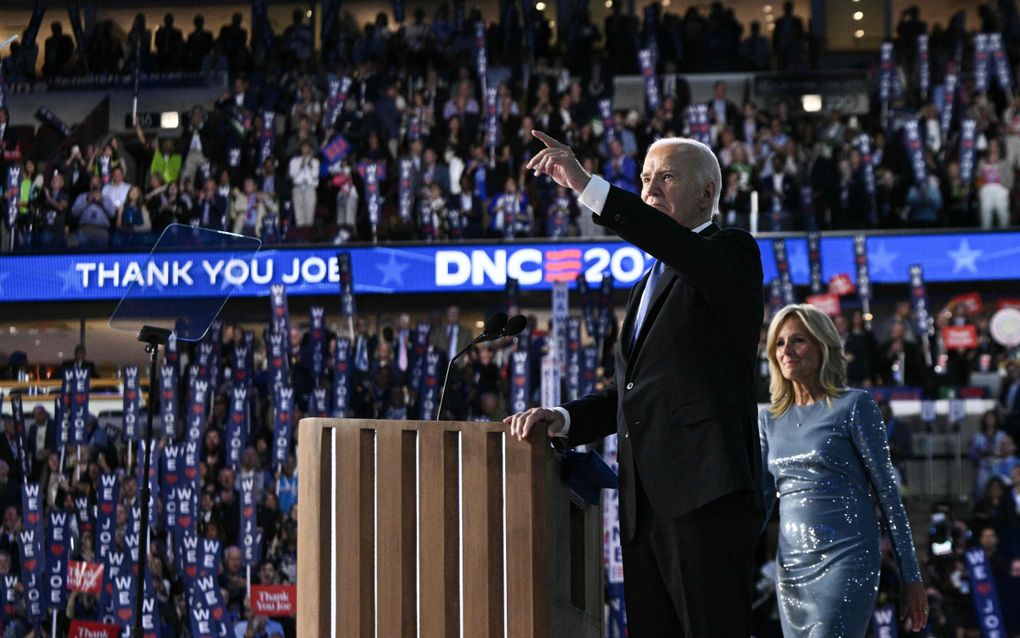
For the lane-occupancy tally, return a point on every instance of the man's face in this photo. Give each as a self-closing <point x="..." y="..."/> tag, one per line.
<point x="669" y="186"/>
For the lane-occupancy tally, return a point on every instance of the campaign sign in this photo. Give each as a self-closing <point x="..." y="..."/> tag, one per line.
<point x="92" y="629"/>
<point x="85" y="577"/>
<point x="429" y="385"/>
<point x="971" y="301"/>
<point x="814" y="242"/>
<point x="283" y="403"/>
<point x="884" y="622"/>
<point x="117" y="591"/>
<point x="207" y="609"/>
<point x="827" y="303"/>
<point x="278" y="351"/>
<point x="842" y="285"/>
<point x="573" y="362"/>
<point x="986" y="600"/>
<point x="783" y="268"/>
<point x="589" y="369"/>
<point x="58" y="547"/>
<point x="605" y="305"/>
<point x="32" y="559"/>
<point x="247" y="539"/>
<point x="106" y="513"/>
<point x="520" y="391"/>
<point x="132" y="402"/>
<point x="342" y="377"/>
<point x="317" y="340"/>
<point x="237" y="424"/>
<point x="168" y="400"/>
<point x="960" y="337"/>
<point x="274" y="600"/>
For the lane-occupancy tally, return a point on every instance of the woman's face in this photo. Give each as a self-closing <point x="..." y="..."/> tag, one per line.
<point x="798" y="354"/>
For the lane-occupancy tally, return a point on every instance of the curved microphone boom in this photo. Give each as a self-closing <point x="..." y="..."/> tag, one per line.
<point x="495" y="327"/>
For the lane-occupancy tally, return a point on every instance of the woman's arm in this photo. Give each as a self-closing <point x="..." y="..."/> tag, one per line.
<point x="867" y="431"/>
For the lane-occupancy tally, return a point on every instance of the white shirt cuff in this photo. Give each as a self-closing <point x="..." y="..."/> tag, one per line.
<point x="566" y="422"/>
<point x="595" y="194"/>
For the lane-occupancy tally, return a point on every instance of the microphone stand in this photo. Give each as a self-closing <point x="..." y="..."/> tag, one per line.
<point x="446" y="380"/>
<point x="152" y="337"/>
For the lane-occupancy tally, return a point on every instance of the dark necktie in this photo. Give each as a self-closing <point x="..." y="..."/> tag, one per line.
<point x="646" y="298"/>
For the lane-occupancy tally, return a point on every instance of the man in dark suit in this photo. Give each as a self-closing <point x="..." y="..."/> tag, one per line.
<point x="79" y="362"/>
<point x="724" y="111"/>
<point x="683" y="398"/>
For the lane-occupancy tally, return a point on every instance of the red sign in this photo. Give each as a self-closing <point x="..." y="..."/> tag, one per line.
<point x="274" y="600"/>
<point x="842" y="285"/>
<point x="84" y="577"/>
<point x="828" y="303"/>
<point x="971" y="301"/>
<point x="90" y="629"/>
<point x="960" y="337"/>
<point x="1008" y="303"/>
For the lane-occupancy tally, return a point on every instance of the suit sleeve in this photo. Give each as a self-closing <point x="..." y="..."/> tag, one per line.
<point x="713" y="264"/>
<point x="592" y="417"/>
<point x="768" y="481"/>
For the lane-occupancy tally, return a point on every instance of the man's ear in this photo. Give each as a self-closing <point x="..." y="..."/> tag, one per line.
<point x="708" y="194"/>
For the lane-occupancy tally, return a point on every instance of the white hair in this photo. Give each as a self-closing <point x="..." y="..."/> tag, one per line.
<point x="704" y="164"/>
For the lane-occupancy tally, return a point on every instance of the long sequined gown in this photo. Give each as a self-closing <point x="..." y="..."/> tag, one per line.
<point x="830" y="465"/>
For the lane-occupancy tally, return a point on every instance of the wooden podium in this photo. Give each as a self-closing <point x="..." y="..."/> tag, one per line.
<point x="420" y="528"/>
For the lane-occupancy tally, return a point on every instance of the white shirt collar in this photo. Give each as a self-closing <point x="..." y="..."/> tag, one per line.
<point x="702" y="227"/>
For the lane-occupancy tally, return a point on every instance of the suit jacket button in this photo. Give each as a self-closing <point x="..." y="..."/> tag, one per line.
<point x="616" y="217"/>
<point x="626" y="435"/>
<point x="630" y="386"/>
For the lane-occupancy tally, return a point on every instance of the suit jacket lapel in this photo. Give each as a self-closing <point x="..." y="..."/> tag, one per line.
<point x="666" y="281"/>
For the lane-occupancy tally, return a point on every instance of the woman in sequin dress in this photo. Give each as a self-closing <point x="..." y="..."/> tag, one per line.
<point x="824" y="451"/>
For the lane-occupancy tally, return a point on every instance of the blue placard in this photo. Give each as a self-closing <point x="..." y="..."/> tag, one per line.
<point x="946" y="257"/>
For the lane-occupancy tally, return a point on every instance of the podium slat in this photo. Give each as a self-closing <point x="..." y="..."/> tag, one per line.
<point x="482" y="518"/>
<point x="438" y="541"/>
<point x="527" y="598"/>
<point x="355" y="514"/>
<point x="314" y="539"/>
<point x="397" y="566"/>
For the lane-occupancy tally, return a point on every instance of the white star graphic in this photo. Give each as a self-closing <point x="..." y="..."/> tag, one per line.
<point x="881" y="260"/>
<point x="965" y="258"/>
<point x="798" y="258"/>
<point x="70" y="280"/>
<point x="392" y="271"/>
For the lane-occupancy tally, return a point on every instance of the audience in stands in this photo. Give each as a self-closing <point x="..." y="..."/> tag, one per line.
<point x="809" y="171"/>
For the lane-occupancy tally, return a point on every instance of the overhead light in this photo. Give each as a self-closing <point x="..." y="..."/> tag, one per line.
<point x="540" y="6"/>
<point x="609" y="4"/>
<point x="665" y="3"/>
<point x="169" y="119"/>
<point x="811" y="103"/>
<point x="770" y="26"/>
<point x="308" y="14"/>
<point x="859" y="33"/>
<point x="858" y="15"/>
<point x="767" y="8"/>
<point x="552" y="24"/>
<point x="479" y="324"/>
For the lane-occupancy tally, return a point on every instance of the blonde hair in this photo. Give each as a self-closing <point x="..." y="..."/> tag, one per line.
<point x="831" y="373"/>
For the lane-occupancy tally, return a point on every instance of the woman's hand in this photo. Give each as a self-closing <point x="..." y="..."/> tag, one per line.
<point x="914" y="606"/>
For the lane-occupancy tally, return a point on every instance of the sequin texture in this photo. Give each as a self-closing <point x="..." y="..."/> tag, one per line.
<point x="828" y="474"/>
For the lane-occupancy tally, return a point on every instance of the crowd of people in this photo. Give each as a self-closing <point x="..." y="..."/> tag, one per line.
<point x="382" y="361"/>
<point x="285" y="154"/>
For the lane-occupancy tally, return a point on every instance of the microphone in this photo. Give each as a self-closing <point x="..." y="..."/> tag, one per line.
<point x="495" y="326"/>
<point x="514" y="326"/>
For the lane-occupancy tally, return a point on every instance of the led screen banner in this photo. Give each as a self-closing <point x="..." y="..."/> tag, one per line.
<point x="949" y="257"/>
